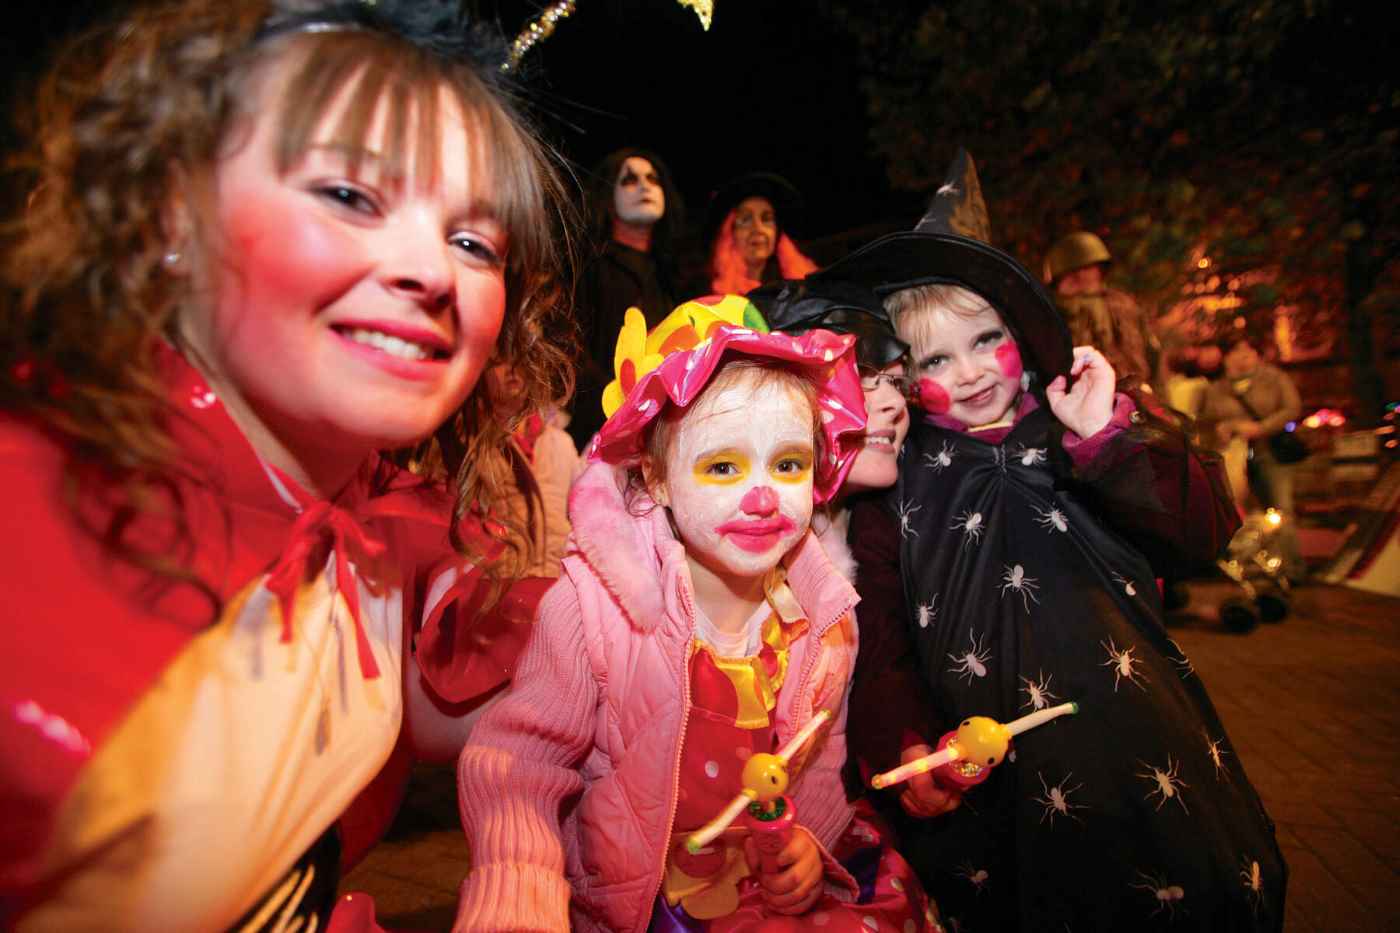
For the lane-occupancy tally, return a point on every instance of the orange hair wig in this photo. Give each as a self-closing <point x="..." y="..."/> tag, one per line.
<point x="729" y="275"/>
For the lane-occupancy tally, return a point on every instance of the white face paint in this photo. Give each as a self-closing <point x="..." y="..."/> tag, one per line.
<point x="739" y="479"/>
<point x="638" y="197"/>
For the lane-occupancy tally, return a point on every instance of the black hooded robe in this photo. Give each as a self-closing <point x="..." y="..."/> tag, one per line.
<point x="1133" y="814"/>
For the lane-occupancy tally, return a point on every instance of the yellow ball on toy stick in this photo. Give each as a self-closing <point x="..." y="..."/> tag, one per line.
<point x="983" y="741"/>
<point x="766" y="776"/>
<point x="977" y="745"/>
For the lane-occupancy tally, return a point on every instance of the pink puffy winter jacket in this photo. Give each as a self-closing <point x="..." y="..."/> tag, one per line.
<point x="568" y="786"/>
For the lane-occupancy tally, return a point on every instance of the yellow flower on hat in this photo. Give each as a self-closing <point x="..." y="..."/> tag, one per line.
<point x="685" y="328"/>
<point x="631" y="360"/>
<point x="690" y="324"/>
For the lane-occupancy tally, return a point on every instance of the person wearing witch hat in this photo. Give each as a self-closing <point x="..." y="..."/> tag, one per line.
<point x="1015" y="562"/>
<point x="747" y="222"/>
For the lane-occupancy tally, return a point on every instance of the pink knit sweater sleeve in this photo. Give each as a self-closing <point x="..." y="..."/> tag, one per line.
<point x="519" y="767"/>
<point x="820" y="793"/>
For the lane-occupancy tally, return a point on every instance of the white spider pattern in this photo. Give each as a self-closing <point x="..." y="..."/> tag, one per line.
<point x="1030" y="456"/>
<point x="1122" y="663"/>
<point x="977" y="877"/>
<point x="1215" y="752"/>
<point x="1015" y="579"/>
<point x="972" y="663"/>
<point x="944" y="458"/>
<point x="906" y="512"/>
<point x="928" y="612"/>
<point x="1124" y="582"/>
<point x="1167" y="895"/>
<point x="1253" y="880"/>
<point x="1052" y="519"/>
<point x="1056" y="799"/>
<point x="1038" y="695"/>
<point x="1182" y="662"/>
<point x="1166" y="783"/>
<point x="970" y="524"/>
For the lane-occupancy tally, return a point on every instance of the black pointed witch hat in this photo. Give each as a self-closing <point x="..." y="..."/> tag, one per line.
<point x="949" y="245"/>
<point x="795" y="307"/>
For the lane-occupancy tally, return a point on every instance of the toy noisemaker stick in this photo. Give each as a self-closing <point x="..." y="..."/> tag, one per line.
<point x="967" y="755"/>
<point x="770" y="814"/>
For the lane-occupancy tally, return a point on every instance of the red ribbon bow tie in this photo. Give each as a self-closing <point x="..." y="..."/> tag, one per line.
<point x="312" y="527"/>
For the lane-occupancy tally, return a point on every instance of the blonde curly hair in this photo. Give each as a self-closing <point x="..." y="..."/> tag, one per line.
<point x="138" y="113"/>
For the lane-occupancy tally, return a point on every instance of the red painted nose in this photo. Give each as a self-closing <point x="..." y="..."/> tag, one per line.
<point x="761" y="500"/>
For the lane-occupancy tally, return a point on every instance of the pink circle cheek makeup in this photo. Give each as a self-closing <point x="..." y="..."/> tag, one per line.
<point x="933" y="397"/>
<point x="1009" y="359"/>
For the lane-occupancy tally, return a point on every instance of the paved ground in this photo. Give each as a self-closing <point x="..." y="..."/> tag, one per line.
<point x="1312" y="705"/>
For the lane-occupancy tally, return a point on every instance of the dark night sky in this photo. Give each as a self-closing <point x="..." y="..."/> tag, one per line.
<point x="770" y="86"/>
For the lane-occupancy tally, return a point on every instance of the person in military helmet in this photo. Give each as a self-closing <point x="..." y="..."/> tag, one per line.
<point x="1097" y="315"/>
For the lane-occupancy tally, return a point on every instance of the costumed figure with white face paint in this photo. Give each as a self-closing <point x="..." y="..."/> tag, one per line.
<point x="749" y="243"/>
<point x="635" y="217"/>
<point x="1012" y="569"/>
<point x="271" y="248"/>
<point x="697" y="623"/>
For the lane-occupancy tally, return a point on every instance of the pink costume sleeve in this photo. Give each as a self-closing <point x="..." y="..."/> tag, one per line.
<point x="1083" y="451"/>
<point x="1166" y="495"/>
<point x="516" y="771"/>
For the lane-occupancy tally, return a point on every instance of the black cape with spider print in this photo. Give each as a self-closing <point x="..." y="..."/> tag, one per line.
<point x="1134" y="814"/>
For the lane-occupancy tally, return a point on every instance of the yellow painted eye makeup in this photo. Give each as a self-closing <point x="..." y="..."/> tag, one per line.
<point x="722" y="468"/>
<point x="792" y="466"/>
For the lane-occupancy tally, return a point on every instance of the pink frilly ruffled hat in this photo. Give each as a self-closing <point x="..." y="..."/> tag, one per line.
<point x="673" y="363"/>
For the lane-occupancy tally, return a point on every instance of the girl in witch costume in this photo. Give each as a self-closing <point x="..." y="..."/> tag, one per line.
<point x="697" y="622"/>
<point x="1016" y="558"/>
<point x="267" y="241"/>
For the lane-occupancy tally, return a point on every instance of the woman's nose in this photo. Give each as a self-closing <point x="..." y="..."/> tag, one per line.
<point x="887" y="398"/>
<point x="418" y="267"/>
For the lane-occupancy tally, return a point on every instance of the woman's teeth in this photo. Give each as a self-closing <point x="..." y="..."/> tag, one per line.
<point x="394" y="346"/>
<point x="876" y="440"/>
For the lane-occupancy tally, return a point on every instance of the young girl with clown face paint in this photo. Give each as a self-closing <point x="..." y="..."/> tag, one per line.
<point x="270" y="249"/>
<point x="697" y="623"/>
<point x="1012" y="569"/>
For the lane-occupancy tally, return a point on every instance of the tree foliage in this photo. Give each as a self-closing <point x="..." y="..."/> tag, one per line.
<point x="1259" y="136"/>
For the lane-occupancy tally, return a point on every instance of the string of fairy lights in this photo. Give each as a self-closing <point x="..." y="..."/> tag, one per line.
<point x="542" y="27"/>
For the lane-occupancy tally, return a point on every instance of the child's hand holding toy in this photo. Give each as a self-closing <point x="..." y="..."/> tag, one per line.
<point x="924" y="798"/>
<point x="791" y="878"/>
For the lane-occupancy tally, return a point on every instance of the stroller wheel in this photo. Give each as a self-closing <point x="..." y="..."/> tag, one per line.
<point x="1238" y="615"/>
<point x="1273" y="606"/>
